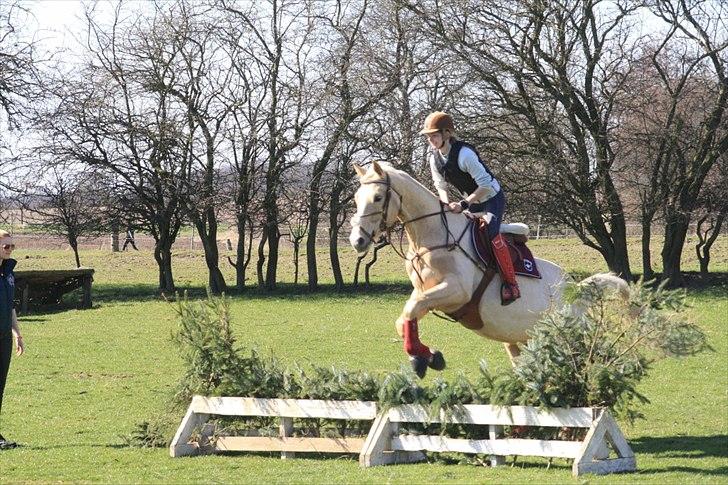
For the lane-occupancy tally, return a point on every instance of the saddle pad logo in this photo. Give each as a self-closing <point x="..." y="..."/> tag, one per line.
<point x="527" y="265"/>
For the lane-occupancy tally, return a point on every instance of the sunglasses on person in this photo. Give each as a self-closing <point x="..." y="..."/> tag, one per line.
<point x="8" y="247"/>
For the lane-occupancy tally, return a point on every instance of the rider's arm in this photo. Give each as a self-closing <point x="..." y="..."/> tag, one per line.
<point x="487" y="185"/>
<point x="438" y="179"/>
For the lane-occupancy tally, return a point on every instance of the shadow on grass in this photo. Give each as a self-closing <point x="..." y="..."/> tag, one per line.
<point x="715" y="446"/>
<point x="33" y="447"/>
<point x="118" y="293"/>
<point x="103" y="294"/>
<point x="714" y="286"/>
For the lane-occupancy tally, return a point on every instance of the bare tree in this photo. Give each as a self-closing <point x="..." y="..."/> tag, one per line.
<point x="246" y="181"/>
<point x="19" y="79"/>
<point x="358" y="76"/>
<point x="343" y="187"/>
<point x="69" y="203"/>
<point x="297" y="221"/>
<point x="692" y="67"/>
<point x="18" y="66"/>
<point x="201" y="80"/>
<point x="712" y="209"/>
<point x="105" y="116"/>
<point x="278" y="50"/>
<point x="546" y="76"/>
<point x="245" y="144"/>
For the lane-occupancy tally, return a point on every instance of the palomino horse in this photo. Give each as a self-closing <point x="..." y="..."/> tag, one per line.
<point x="440" y="267"/>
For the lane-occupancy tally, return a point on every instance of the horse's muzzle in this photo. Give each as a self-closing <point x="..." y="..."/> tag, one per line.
<point x="359" y="242"/>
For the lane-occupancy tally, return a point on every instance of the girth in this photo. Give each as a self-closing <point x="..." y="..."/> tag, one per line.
<point x="469" y="314"/>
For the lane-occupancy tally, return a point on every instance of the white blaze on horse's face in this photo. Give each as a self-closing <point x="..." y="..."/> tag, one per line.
<point x="366" y="224"/>
<point x="369" y="203"/>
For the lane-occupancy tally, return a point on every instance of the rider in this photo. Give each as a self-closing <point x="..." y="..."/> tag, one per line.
<point x="459" y="164"/>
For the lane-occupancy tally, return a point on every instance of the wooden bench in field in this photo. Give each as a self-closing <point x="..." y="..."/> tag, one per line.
<point x="47" y="287"/>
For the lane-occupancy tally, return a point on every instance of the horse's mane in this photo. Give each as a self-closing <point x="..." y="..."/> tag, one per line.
<point x="389" y="168"/>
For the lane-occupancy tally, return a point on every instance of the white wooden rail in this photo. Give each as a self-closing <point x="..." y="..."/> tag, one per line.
<point x="385" y="445"/>
<point x="201" y="408"/>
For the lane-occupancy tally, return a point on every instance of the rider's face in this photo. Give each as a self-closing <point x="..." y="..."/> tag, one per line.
<point x="435" y="139"/>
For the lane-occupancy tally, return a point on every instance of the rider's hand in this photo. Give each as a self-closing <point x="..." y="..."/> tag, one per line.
<point x="455" y="207"/>
<point x="19" y="345"/>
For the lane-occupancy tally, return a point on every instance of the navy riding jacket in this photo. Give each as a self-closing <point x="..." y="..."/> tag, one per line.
<point x="7" y="294"/>
<point x="462" y="181"/>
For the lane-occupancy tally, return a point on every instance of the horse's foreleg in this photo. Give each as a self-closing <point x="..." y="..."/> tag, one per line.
<point x="419" y="304"/>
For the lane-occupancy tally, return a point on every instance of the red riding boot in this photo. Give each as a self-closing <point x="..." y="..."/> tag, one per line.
<point x="509" y="288"/>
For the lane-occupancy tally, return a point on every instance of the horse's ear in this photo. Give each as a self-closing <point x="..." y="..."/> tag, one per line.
<point x="359" y="171"/>
<point x="378" y="168"/>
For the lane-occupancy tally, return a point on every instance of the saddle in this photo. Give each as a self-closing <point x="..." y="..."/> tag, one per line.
<point x="524" y="264"/>
<point x="516" y="236"/>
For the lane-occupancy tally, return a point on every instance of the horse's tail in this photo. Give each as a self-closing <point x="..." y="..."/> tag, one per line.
<point x="607" y="281"/>
<point x="590" y="288"/>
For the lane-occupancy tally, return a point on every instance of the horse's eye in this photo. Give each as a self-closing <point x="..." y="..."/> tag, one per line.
<point x="377" y="198"/>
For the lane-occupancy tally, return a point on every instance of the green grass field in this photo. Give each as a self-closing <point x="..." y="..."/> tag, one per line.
<point x="90" y="376"/>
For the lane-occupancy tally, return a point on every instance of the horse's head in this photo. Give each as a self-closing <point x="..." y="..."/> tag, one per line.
<point x="377" y="206"/>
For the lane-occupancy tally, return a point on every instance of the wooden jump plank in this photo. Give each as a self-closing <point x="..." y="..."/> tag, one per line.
<point x="499" y="415"/>
<point x="501" y="447"/>
<point x="292" y="408"/>
<point x="50" y="275"/>
<point x="309" y="445"/>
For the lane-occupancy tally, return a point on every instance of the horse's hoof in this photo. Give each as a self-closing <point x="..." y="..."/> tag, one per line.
<point x="437" y="361"/>
<point x="419" y="365"/>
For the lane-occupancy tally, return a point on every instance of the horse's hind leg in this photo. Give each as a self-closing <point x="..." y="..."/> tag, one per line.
<point x="513" y="352"/>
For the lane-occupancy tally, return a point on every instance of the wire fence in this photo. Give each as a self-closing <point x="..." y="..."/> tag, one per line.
<point x="190" y="241"/>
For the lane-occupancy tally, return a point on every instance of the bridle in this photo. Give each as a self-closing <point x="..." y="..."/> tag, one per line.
<point x="452" y="241"/>
<point x="384" y="228"/>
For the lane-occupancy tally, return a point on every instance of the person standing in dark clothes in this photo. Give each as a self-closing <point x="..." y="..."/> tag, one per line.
<point x="129" y="239"/>
<point x="8" y="319"/>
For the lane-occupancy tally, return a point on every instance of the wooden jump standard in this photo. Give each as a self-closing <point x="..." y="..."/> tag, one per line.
<point x="49" y="286"/>
<point x="385" y="445"/>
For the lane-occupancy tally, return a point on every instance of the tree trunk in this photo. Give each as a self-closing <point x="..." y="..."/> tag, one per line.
<point x="74" y="245"/>
<point x="311" y="245"/>
<point x="706" y="240"/>
<point x="240" y="255"/>
<point x="243" y="250"/>
<point x="704" y="260"/>
<point x="261" y="259"/>
<point x="647" y="270"/>
<point x="676" y="229"/>
<point x="619" y="263"/>
<point x="208" y="237"/>
<point x="163" y="256"/>
<point x="273" y="237"/>
<point x="614" y="253"/>
<point x="296" y="249"/>
<point x="617" y="229"/>
<point x="334" y="257"/>
<point x="334" y="241"/>
<point x="115" y="237"/>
